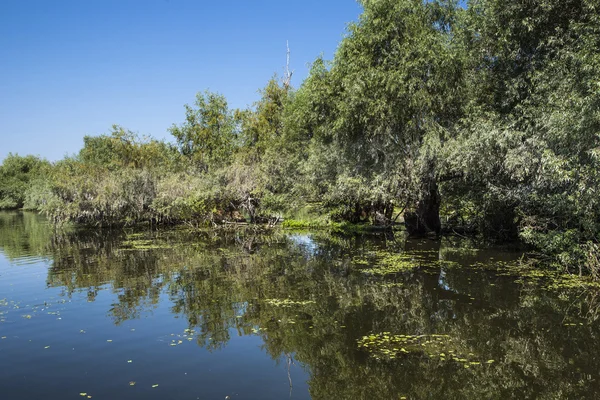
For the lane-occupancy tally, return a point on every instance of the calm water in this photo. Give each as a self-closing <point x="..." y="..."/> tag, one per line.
<point x="168" y="315"/>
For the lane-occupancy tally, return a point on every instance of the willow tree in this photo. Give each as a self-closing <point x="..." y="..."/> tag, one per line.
<point x="394" y="93"/>
<point x="266" y="160"/>
<point x="121" y="149"/>
<point x="207" y="136"/>
<point x="529" y="149"/>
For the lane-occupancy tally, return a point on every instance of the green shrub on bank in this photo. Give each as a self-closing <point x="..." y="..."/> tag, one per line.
<point x="16" y="175"/>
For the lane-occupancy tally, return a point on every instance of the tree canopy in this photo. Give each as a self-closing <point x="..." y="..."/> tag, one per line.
<point x="480" y="120"/>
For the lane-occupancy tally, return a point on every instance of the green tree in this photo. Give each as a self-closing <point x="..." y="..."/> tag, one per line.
<point x="267" y="160"/>
<point x="528" y="150"/>
<point x="208" y="134"/>
<point x="16" y="173"/>
<point x="123" y="148"/>
<point x="392" y="93"/>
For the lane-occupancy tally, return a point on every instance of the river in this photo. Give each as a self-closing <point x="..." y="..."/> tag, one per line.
<point x="173" y="314"/>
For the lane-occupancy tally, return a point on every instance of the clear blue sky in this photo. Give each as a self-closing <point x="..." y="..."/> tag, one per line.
<point x="70" y="68"/>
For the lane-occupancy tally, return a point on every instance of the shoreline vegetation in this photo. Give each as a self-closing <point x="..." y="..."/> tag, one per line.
<point x="480" y="121"/>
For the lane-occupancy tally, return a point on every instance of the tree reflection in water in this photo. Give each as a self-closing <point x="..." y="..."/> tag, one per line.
<point x="310" y="298"/>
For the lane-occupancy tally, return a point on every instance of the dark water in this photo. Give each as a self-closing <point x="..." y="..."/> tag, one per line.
<point x="205" y="316"/>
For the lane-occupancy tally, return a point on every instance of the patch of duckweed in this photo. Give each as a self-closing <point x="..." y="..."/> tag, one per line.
<point x="305" y="223"/>
<point x="491" y="265"/>
<point x="392" y="264"/>
<point x="133" y="236"/>
<point x="390" y="285"/>
<point x="142" y="244"/>
<point x="360" y="261"/>
<point x="384" y="262"/>
<point x="443" y="264"/>
<point x="545" y="278"/>
<point x="566" y="281"/>
<point x="548" y="279"/>
<point x="287" y="302"/>
<point x="462" y="251"/>
<point x="387" y="346"/>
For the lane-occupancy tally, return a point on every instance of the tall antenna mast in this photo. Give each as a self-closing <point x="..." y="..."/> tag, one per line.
<point x="287" y="77"/>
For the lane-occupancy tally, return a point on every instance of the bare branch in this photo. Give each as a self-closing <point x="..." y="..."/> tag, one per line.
<point x="287" y="77"/>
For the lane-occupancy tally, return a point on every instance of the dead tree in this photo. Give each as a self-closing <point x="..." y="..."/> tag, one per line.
<point x="287" y="75"/>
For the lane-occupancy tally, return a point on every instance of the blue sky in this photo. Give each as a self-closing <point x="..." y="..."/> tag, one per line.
<point x="70" y="68"/>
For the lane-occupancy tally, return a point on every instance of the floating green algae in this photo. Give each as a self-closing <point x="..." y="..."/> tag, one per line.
<point x="388" y="346"/>
<point x="568" y="281"/>
<point x="548" y="279"/>
<point x="530" y="273"/>
<point x="142" y="244"/>
<point x="393" y="264"/>
<point x="384" y="263"/>
<point x="288" y="302"/>
<point x="387" y="262"/>
<point x="390" y="285"/>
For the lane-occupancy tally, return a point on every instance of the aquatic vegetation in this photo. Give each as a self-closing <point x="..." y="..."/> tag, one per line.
<point x="135" y="235"/>
<point x="288" y="302"/>
<point x="281" y="298"/>
<point x="390" y="285"/>
<point x="549" y="279"/>
<point x="144" y="244"/>
<point x="295" y="224"/>
<point x="360" y="261"/>
<point x="388" y="346"/>
<point x="442" y="264"/>
<point x="571" y="281"/>
<point x="531" y="273"/>
<point x="386" y="263"/>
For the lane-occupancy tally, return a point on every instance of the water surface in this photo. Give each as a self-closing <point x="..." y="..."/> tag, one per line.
<point x="147" y="315"/>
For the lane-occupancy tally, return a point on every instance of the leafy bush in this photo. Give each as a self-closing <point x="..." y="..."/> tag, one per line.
<point x="16" y="173"/>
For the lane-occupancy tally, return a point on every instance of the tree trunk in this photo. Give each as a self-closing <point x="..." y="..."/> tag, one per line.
<point x="425" y="219"/>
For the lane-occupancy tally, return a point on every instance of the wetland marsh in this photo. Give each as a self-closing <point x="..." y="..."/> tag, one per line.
<point x="172" y="314"/>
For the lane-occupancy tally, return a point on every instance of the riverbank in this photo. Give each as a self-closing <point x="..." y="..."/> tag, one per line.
<point x="384" y="315"/>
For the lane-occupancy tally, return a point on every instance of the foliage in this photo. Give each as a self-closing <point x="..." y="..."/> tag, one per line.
<point x="125" y="149"/>
<point x="484" y="117"/>
<point x="207" y="135"/>
<point x="302" y="296"/>
<point x="17" y="173"/>
<point x="526" y="151"/>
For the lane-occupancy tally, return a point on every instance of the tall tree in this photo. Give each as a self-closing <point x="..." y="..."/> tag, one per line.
<point x="395" y="89"/>
<point x="528" y="150"/>
<point x="208" y="133"/>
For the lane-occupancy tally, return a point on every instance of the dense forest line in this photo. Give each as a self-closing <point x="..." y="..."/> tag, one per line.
<point x="480" y="120"/>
